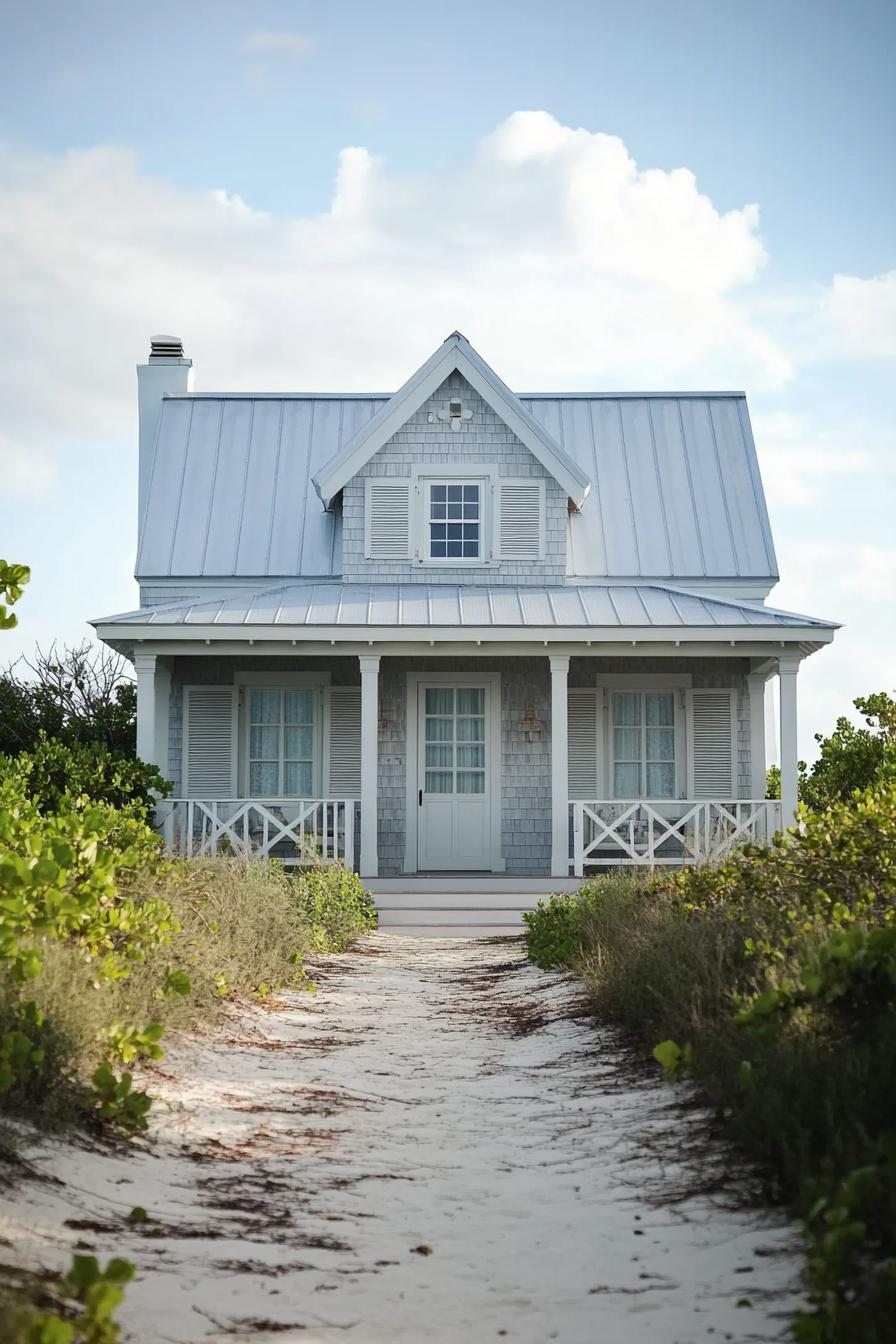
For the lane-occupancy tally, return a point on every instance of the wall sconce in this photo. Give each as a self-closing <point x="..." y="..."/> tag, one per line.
<point x="530" y="724"/>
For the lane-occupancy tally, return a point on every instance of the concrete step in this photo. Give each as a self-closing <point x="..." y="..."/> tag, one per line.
<point x="457" y="900"/>
<point x="454" y="930"/>
<point x="420" y="914"/>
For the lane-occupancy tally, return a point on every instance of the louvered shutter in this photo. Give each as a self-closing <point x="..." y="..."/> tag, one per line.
<point x="388" y="519"/>
<point x="712" y="753"/>
<point x="210" y="717"/>
<point x="344" y="771"/>
<point x="520" y="520"/>
<point x="582" y="744"/>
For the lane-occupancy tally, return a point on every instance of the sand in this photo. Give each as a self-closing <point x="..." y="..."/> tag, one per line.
<point x="439" y="1145"/>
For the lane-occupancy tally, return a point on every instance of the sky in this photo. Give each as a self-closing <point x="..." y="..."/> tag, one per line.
<point x="639" y="195"/>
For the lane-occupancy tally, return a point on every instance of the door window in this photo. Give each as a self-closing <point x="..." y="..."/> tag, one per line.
<point x="454" y="739"/>
<point x="281" y="743"/>
<point x="644" y="744"/>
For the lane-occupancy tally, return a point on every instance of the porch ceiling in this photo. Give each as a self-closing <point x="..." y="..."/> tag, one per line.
<point x="342" y="611"/>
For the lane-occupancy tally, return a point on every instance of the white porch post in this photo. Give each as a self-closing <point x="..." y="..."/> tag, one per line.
<point x="756" y="687"/>
<point x="370" y="675"/>
<point x="787" y="670"/>
<point x="147" y="736"/>
<point x="559" y="767"/>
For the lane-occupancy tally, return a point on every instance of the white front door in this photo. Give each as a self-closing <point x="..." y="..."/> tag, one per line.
<point x="455" y="777"/>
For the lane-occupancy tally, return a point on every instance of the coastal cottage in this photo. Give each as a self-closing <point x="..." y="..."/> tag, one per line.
<point x="462" y="638"/>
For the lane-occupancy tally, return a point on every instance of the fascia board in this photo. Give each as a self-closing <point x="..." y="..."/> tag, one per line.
<point x="391" y="634"/>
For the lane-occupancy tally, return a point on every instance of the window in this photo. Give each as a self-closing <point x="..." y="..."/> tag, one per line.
<point x="454" y="521"/>
<point x="454" y="737"/>
<point x="281" y="742"/>
<point x="643" y="724"/>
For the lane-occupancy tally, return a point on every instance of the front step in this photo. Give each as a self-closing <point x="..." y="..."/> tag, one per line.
<point x="467" y="909"/>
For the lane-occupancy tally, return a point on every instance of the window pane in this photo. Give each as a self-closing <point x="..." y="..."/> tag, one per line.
<point x="471" y="494"/>
<point x="439" y="700"/>
<point x="439" y="730"/>
<point x="438" y="550"/>
<point x="661" y="780"/>
<point x="660" y="707"/>
<point x="472" y="757"/>
<point x="297" y="744"/>
<point x="627" y="707"/>
<point x="299" y="706"/>
<point x="627" y="744"/>
<point x="264" y="779"/>
<point x="626" y="781"/>
<point x="471" y="700"/>
<point x="471" y="730"/>
<point x="455" y="493"/>
<point x="440" y="754"/>
<point x="660" y="744"/>
<point x="439" y="781"/>
<point x="454" y="549"/>
<point x="470" y="781"/>
<point x="471" y="550"/>
<point x="264" y="744"/>
<point x="438" y="492"/>
<point x="265" y="707"/>
<point x="439" y="510"/>
<point x="297" y="779"/>
<point x="455" y="509"/>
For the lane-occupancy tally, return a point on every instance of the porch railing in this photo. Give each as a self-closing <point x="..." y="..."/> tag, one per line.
<point x="652" y="832"/>
<point x="294" y="830"/>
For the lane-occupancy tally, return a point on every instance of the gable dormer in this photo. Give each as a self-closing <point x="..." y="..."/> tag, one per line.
<point x="453" y="480"/>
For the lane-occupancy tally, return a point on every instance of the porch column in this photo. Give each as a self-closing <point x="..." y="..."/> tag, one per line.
<point x="559" y="767"/>
<point x="147" y="734"/>
<point x="370" y="676"/>
<point x="756" y="687"/>
<point x="787" y="670"/>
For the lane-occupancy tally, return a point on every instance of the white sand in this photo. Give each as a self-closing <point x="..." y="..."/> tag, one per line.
<point x="433" y="1092"/>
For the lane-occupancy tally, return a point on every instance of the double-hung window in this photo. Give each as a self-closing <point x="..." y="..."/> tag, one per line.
<point x="281" y="747"/>
<point x="454" y="520"/>
<point x="643" y="744"/>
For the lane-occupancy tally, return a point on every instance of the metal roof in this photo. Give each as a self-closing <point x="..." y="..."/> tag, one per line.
<point x="427" y="606"/>
<point x="675" y="486"/>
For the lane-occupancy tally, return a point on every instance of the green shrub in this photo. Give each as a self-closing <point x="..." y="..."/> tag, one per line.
<point x="335" y="906"/>
<point x="84" y="1302"/>
<point x="54" y="770"/>
<point x="554" y="931"/>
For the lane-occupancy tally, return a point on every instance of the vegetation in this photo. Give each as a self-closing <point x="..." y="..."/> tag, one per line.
<point x="771" y="980"/>
<point x="75" y="1309"/>
<point x="12" y="581"/>
<point x="851" y="758"/>
<point x="73" y="695"/>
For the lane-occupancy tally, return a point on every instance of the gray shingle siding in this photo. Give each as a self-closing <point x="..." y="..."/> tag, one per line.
<point x="483" y="439"/>
<point x="525" y="765"/>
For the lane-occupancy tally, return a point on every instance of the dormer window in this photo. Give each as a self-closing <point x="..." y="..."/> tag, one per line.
<point x="454" y="521"/>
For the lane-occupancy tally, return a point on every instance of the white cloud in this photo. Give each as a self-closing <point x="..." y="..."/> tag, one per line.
<point x="279" y="44"/>
<point x="861" y="313"/>
<point x="801" y="465"/>
<point x="566" y="263"/>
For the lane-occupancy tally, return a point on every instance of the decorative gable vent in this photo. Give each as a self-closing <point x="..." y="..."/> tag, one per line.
<point x="388" y="519"/>
<point x="344" y="773"/>
<point x="712" y="741"/>
<point x="581" y="722"/>
<point x="210" y="742"/>
<point x="520" y="520"/>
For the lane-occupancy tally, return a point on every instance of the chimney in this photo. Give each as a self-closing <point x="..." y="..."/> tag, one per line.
<point x="166" y="370"/>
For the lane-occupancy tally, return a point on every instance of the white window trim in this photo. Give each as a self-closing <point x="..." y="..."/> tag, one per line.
<point x="284" y="681"/>
<point x="677" y="682"/>
<point x="483" y="474"/>
<point x="492" y="681"/>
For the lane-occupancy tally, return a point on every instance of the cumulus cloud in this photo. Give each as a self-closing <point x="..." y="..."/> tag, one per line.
<point x="563" y="260"/>
<point x="861" y="313"/>
<point x="801" y="463"/>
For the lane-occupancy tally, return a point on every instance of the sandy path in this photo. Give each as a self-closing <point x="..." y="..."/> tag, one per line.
<point x="433" y="1093"/>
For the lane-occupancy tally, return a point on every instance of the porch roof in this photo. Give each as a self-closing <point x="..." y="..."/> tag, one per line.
<point x="608" y="609"/>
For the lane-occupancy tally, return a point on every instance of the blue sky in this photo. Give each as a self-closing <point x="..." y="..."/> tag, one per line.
<point x="317" y="194"/>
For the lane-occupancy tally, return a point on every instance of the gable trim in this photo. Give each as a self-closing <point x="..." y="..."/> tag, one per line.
<point x="455" y="354"/>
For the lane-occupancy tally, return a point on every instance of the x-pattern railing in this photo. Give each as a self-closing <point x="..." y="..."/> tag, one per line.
<point x="295" y="830"/>
<point x="667" y="831"/>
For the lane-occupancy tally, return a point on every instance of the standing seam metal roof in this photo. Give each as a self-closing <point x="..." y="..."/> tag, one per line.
<point x="676" y="491"/>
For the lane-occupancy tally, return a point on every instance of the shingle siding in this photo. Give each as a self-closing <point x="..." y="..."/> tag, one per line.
<point x="525" y="764"/>
<point x="482" y="439"/>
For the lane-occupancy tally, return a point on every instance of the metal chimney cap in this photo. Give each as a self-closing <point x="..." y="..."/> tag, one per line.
<point x="166" y="347"/>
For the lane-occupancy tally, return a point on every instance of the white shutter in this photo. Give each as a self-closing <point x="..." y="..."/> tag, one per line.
<point x="344" y="748"/>
<point x="388" y="519"/>
<point x="712" y="744"/>
<point x="521" y="520"/>
<point x="210" y="718"/>
<point x="582" y="744"/>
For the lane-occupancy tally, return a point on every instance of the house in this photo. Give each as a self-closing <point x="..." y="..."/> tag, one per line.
<point x="457" y="629"/>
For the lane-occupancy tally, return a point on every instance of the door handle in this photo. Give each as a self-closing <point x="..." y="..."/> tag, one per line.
<point x="420" y="798"/>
